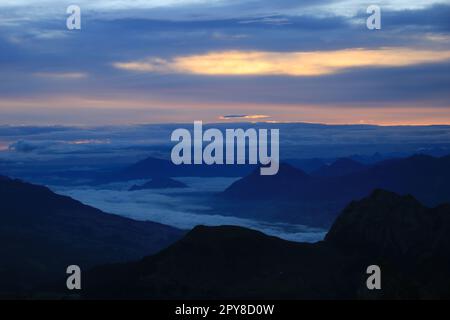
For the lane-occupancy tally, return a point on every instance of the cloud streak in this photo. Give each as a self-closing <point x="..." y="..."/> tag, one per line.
<point x="61" y="75"/>
<point x="259" y="63"/>
<point x="244" y="116"/>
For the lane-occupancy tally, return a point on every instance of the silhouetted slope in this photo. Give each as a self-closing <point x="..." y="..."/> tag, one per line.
<point x="288" y="182"/>
<point x="392" y="225"/>
<point x="41" y="233"/>
<point x="408" y="241"/>
<point x="306" y="165"/>
<point x="159" y="183"/>
<point x="218" y="262"/>
<point x="340" y="167"/>
<point x="148" y="168"/>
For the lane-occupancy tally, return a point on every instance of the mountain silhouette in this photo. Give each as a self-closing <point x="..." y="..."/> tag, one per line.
<point x="293" y="196"/>
<point x="394" y="226"/>
<point x="215" y="262"/>
<point x="287" y="181"/>
<point x="159" y="183"/>
<point x="340" y="167"/>
<point x="407" y="240"/>
<point x="42" y="233"/>
<point x="154" y="167"/>
<point x="306" y="165"/>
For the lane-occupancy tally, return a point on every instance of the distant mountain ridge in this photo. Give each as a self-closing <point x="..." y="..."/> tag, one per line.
<point x="319" y="199"/>
<point x="411" y="244"/>
<point x="159" y="183"/>
<point x="41" y="233"/>
<point x="255" y="186"/>
<point x="340" y="167"/>
<point x="154" y="168"/>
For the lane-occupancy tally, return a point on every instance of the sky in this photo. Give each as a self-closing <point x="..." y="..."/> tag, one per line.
<point x="159" y="61"/>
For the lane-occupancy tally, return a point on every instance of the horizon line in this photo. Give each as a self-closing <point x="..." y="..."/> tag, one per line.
<point x="74" y="125"/>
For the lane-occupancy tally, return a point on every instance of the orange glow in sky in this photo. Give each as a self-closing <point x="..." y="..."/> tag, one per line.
<point x="92" y="111"/>
<point x="253" y="63"/>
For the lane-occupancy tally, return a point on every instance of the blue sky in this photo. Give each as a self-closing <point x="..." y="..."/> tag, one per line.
<point x="185" y="60"/>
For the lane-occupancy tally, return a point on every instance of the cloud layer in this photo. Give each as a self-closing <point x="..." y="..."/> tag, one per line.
<point x="179" y="61"/>
<point x="180" y="208"/>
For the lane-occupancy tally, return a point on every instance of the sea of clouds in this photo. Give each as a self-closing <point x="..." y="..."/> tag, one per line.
<point x="181" y="208"/>
<point x="298" y="140"/>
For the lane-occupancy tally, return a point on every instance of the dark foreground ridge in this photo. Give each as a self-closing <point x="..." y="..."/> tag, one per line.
<point x="41" y="233"/>
<point x="411" y="244"/>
